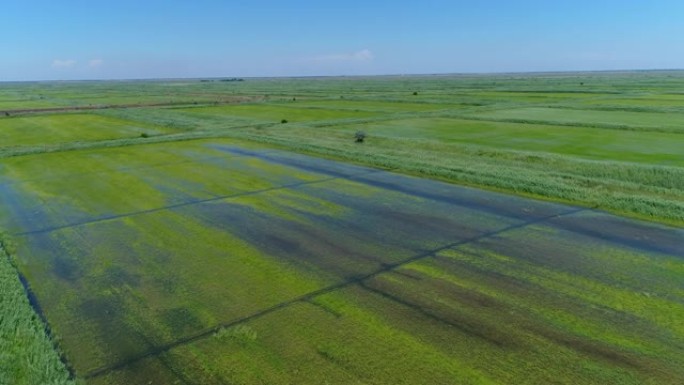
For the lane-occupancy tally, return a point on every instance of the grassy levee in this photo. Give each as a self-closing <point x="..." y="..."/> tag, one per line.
<point x="27" y="356"/>
<point x="644" y="191"/>
<point x="599" y="119"/>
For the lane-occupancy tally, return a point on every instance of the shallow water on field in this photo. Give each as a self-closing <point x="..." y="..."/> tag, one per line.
<point x="138" y="268"/>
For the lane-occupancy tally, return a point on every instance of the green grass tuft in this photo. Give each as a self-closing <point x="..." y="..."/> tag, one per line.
<point x="27" y="356"/>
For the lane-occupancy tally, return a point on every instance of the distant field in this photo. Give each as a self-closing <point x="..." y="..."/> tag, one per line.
<point x="53" y="129"/>
<point x="371" y="105"/>
<point x="204" y="241"/>
<point x="585" y="142"/>
<point x="9" y="105"/>
<point x="601" y="119"/>
<point x="276" y="113"/>
<point x="673" y="101"/>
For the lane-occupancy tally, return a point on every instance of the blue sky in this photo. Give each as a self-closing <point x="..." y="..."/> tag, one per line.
<point x="68" y="39"/>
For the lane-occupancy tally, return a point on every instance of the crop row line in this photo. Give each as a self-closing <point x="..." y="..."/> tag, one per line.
<point x="387" y="267"/>
<point x="272" y="157"/>
<point x="120" y="169"/>
<point x="189" y="203"/>
<point x="8" y="152"/>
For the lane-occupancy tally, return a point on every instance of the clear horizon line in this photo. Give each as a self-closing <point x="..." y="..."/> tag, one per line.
<point x="492" y="73"/>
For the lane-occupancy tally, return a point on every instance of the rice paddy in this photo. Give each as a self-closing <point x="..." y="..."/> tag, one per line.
<point x="229" y="247"/>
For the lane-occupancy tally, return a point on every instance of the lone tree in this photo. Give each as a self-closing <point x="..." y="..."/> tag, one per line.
<point x="360" y="136"/>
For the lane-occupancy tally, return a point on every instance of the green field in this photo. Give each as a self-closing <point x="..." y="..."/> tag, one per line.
<point x="225" y="246"/>
<point x="276" y="113"/>
<point x="584" y="142"/>
<point x="627" y="120"/>
<point x="67" y="128"/>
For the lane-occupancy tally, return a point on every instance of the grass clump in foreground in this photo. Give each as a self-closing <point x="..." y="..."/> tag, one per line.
<point x="27" y="356"/>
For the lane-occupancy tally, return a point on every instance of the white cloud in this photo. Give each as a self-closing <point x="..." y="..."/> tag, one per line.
<point x="58" y="63"/>
<point x="94" y="63"/>
<point x="365" y="55"/>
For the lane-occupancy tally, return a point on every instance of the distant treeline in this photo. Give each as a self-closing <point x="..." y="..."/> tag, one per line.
<point x="223" y="80"/>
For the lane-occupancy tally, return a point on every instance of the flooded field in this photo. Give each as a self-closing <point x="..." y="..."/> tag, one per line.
<point x="212" y="262"/>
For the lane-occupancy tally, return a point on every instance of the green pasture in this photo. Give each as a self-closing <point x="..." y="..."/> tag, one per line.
<point x="10" y="105"/>
<point x="582" y="142"/>
<point x="641" y="100"/>
<point x="276" y="113"/>
<point x="637" y="103"/>
<point x="536" y="98"/>
<point x="643" y="190"/>
<point x="627" y="120"/>
<point x="21" y="96"/>
<point x="371" y="105"/>
<point x="67" y="128"/>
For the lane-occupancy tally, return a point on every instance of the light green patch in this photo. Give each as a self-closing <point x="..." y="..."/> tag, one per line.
<point x="358" y="347"/>
<point x="243" y="334"/>
<point x="25" y="104"/>
<point x="371" y="105"/>
<point x="55" y="129"/>
<point x="177" y="280"/>
<point x="589" y="118"/>
<point x="277" y="113"/>
<point x="292" y="205"/>
<point x="590" y="143"/>
<point x="662" y="312"/>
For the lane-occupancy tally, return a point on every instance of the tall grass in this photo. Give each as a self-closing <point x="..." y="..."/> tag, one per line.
<point x="644" y="191"/>
<point x="27" y="356"/>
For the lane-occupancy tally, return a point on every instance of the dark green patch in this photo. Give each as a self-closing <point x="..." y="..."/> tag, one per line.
<point x="181" y="320"/>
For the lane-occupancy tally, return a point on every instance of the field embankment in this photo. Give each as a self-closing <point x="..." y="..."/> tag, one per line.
<point x="27" y="356"/>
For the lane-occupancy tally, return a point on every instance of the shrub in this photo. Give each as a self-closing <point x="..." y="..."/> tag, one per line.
<point x="360" y="136"/>
<point x="283" y="121"/>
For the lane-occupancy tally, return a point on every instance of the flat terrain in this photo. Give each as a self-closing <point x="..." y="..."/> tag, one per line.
<point x="203" y="241"/>
<point x="209" y="262"/>
<point x="67" y="128"/>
